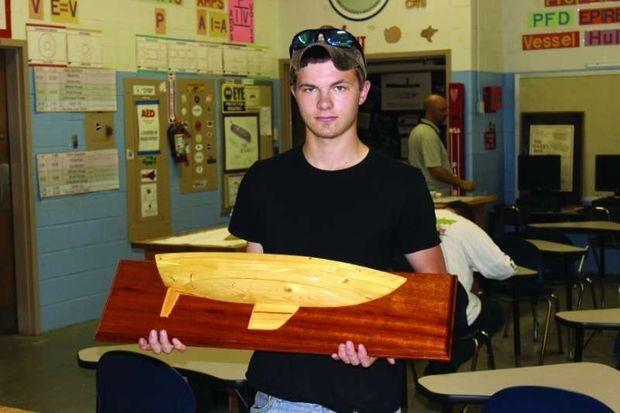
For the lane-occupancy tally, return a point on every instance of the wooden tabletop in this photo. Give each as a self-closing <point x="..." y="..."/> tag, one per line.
<point x="596" y="380"/>
<point x="223" y="364"/>
<point x="556" y="247"/>
<point x="13" y="410"/>
<point x="602" y="226"/>
<point x="469" y="200"/>
<point x="205" y="238"/>
<point x="607" y="317"/>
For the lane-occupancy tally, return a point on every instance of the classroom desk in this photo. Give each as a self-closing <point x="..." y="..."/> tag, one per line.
<point x="568" y="252"/>
<point x="596" y="380"/>
<point x="205" y="240"/>
<point x="603" y="319"/>
<point x="226" y="365"/>
<point x="602" y="228"/>
<point x="477" y="204"/>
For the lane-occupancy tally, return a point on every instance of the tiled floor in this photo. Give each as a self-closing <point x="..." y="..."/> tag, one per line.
<point x="41" y="373"/>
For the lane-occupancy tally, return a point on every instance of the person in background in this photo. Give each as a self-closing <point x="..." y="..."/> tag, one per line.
<point x="467" y="248"/>
<point x="427" y="153"/>
<point x="331" y="198"/>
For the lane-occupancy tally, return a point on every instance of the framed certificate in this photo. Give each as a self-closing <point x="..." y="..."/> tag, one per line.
<point x="241" y="145"/>
<point x="231" y="186"/>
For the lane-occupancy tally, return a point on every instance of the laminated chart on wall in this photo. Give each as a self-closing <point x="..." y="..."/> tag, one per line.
<point x="47" y="45"/>
<point x="151" y="53"/>
<point x="210" y="59"/>
<point x="182" y="56"/>
<point x="67" y="173"/>
<point x="260" y="62"/>
<point x="72" y="89"/>
<point x="235" y="60"/>
<point x="84" y="48"/>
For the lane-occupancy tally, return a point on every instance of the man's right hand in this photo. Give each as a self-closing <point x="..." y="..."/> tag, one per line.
<point x="467" y="185"/>
<point x="159" y="342"/>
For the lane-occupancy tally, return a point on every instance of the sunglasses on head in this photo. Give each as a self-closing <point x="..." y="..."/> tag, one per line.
<point x="333" y="37"/>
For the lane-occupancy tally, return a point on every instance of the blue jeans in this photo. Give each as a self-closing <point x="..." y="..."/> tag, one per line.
<point x="263" y="403"/>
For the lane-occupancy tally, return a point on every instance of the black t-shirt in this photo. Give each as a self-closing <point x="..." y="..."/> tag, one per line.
<point x="364" y="215"/>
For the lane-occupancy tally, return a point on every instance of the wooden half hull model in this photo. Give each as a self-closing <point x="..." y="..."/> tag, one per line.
<point x="276" y="285"/>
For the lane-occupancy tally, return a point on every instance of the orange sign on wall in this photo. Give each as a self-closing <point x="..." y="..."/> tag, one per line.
<point x="599" y="16"/>
<point x="550" y="40"/>
<point x="553" y="3"/>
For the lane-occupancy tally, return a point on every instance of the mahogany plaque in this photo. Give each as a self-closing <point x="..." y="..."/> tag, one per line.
<point x="414" y="321"/>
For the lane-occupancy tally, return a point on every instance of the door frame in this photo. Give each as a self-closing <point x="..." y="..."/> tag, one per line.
<point x="286" y="127"/>
<point x="24" y="225"/>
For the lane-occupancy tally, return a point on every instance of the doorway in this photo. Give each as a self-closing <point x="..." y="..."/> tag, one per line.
<point x="8" y="302"/>
<point x="382" y="125"/>
<point x="19" y="284"/>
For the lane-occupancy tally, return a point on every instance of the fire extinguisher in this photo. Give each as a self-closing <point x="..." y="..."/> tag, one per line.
<point x="179" y="139"/>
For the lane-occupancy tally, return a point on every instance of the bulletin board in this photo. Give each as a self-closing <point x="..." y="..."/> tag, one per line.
<point x="557" y="133"/>
<point x="241" y="99"/>
<point x="195" y="107"/>
<point x="147" y="157"/>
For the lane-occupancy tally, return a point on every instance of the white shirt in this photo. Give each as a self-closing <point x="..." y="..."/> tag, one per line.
<point x="467" y="248"/>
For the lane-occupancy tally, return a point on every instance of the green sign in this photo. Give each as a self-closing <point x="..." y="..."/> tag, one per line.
<point x="555" y="18"/>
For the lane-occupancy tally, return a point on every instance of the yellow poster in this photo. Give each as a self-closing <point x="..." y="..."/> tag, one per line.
<point x="64" y="11"/>
<point x="218" y="25"/>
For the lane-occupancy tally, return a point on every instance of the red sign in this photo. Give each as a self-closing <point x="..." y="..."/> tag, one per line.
<point x="241" y="21"/>
<point x="550" y="40"/>
<point x="5" y="18"/>
<point x="456" y="131"/>
<point x="599" y="16"/>
<point x="554" y="3"/>
<point x="601" y="37"/>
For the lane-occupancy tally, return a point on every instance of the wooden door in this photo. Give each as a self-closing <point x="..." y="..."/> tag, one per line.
<point x="8" y="312"/>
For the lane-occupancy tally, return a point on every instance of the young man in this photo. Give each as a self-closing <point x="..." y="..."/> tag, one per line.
<point x="428" y="153"/>
<point x="467" y="248"/>
<point x="332" y="198"/>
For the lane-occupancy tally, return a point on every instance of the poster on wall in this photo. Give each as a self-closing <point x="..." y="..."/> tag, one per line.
<point x="5" y="18"/>
<point x="240" y="141"/>
<point x="70" y="173"/>
<point x="148" y="126"/>
<point x="241" y="21"/>
<point x="405" y="91"/>
<point x="47" y="45"/>
<point x="84" y="48"/>
<point x="555" y="140"/>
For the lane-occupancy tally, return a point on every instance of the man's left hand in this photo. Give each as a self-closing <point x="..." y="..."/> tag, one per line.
<point x="348" y="354"/>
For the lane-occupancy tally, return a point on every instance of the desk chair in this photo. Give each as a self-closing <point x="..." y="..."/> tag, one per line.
<point x="538" y="399"/>
<point x="135" y="383"/>
<point x="600" y="213"/>
<point x="508" y="215"/>
<point x="515" y="289"/>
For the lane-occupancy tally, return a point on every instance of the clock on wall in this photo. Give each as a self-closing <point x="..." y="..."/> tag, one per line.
<point x="358" y="9"/>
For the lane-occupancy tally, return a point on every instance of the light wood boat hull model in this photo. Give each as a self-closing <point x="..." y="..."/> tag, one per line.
<point x="276" y="285"/>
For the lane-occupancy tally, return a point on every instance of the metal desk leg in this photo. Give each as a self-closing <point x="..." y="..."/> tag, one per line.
<point x="516" y="326"/>
<point x="578" y="344"/>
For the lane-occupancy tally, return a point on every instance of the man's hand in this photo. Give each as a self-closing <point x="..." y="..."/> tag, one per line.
<point x="467" y="185"/>
<point x="159" y="342"/>
<point x="349" y="355"/>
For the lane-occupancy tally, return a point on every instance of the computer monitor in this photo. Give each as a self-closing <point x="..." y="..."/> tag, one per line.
<point x="607" y="173"/>
<point x="539" y="172"/>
